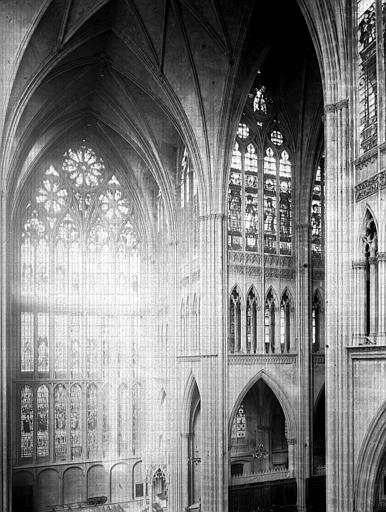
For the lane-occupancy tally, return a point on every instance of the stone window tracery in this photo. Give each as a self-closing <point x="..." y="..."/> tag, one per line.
<point x="269" y="323"/>
<point x="317" y="210"/>
<point x="235" y="321"/>
<point x="77" y="245"/>
<point x="260" y="183"/>
<point x="285" y="322"/>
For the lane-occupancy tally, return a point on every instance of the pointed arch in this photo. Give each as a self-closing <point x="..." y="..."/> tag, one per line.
<point x="370" y="457"/>
<point x="252" y="301"/>
<point x="279" y="393"/>
<point x="286" y="321"/>
<point x="317" y="312"/>
<point x="270" y="308"/>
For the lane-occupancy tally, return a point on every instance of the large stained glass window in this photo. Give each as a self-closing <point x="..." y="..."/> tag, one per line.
<point x="367" y="87"/>
<point x="260" y="183"/>
<point x="79" y="268"/>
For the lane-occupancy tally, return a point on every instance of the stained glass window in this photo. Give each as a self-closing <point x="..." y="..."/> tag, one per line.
<point x="27" y="421"/>
<point x="317" y="207"/>
<point x="251" y="322"/>
<point x="269" y="323"/>
<point x="239" y="426"/>
<point x="76" y="421"/>
<point x="260" y="185"/>
<point x="243" y="131"/>
<point x="60" y="411"/>
<point x="91" y="420"/>
<point x="367" y="74"/>
<point x="42" y="407"/>
<point x="235" y="321"/>
<point x="285" y="323"/>
<point x="79" y="280"/>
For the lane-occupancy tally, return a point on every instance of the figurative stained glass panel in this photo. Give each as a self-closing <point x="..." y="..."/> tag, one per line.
<point x="60" y="411"/>
<point x="27" y="342"/>
<point x="234" y="216"/>
<point x="91" y="419"/>
<point x="259" y="100"/>
<point x="250" y="159"/>
<point x="75" y="421"/>
<point x="236" y="157"/>
<point x="27" y="421"/>
<point x="285" y="175"/>
<point x="251" y="220"/>
<point x="93" y="345"/>
<point x="239" y="426"/>
<point x="316" y="212"/>
<point x="42" y="406"/>
<point x="43" y="345"/>
<point x="270" y="224"/>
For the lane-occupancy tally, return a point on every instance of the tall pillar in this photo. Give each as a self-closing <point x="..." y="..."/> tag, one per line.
<point x="305" y="405"/>
<point x="214" y="459"/>
<point x="359" y="316"/>
<point x="5" y="501"/>
<point x="338" y="249"/>
<point x="381" y="295"/>
<point x="373" y="262"/>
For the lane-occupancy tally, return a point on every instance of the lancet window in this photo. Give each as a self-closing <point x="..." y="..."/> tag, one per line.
<point x="269" y="323"/>
<point x="285" y="323"/>
<point x="252" y="321"/>
<point x="370" y="241"/>
<point x="78" y="270"/>
<point x="260" y="183"/>
<point x="235" y="321"/>
<point x="317" y="210"/>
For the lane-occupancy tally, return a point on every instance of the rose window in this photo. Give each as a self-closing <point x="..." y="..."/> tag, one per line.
<point x="83" y="167"/>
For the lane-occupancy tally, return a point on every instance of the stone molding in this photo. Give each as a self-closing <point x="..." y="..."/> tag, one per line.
<point x="334" y="107"/>
<point x="318" y="359"/>
<point x="248" y="359"/>
<point x="370" y="186"/>
<point x="359" y="264"/>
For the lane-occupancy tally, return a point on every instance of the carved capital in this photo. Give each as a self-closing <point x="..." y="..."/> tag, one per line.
<point x="342" y="104"/>
<point x="359" y="264"/>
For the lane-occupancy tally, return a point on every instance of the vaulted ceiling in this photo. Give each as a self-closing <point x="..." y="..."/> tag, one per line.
<point x="146" y="76"/>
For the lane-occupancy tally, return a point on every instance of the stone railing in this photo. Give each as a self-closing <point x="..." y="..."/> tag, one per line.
<point x="280" y="473"/>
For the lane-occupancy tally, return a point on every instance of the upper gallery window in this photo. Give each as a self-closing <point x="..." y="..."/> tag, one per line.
<point x="370" y="64"/>
<point x="260" y="183"/>
<point x="317" y="209"/>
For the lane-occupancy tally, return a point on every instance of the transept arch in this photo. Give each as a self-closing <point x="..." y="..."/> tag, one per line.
<point x="278" y="392"/>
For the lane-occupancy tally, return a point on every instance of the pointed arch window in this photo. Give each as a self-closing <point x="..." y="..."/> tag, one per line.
<point x="235" y="321"/>
<point x="285" y="322"/>
<point x="269" y="323"/>
<point x="260" y="183"/>
<point x="79" y="264"/>
<point x="252" y="322"/>
<point x="317" y="210"/>
<point x="316" y="322"/>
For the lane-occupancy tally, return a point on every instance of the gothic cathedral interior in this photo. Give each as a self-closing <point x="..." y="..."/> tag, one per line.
<point x="192" y="306"/>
